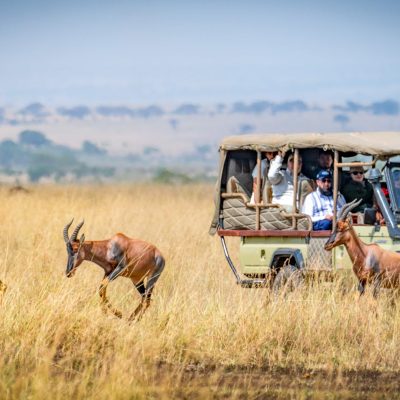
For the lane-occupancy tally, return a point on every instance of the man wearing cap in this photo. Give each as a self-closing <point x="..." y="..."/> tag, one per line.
<point x="359" y="188"/>
<point x="282" y="181"/>
<point x="319" y="204"/>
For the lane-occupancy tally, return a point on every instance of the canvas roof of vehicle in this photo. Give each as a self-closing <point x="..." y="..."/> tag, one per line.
<point x="374" y="143"/>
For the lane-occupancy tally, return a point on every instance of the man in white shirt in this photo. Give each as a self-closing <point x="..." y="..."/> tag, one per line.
<point x="282" y="181"/>
<point x="319" y="204"/>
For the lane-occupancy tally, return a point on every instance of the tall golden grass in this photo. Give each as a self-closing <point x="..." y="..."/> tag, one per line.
<point x="55" y="342"/>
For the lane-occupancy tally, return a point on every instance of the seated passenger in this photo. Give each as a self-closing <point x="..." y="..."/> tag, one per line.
<point x="324" y="162"/>
<point x="319" y="204"/>
<point x="265" y="163"/>
<point x="282" y="181"/>
<point x="359" y="188"/>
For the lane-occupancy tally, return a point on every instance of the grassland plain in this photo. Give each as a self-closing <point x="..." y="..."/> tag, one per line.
<point x="202" y="337"/>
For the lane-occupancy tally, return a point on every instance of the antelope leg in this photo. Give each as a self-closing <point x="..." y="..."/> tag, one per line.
<point x="361" y="287"/>
<point x="105" y="303"/>
<point x="117" y="271"/>
<point x="377" y="286"/>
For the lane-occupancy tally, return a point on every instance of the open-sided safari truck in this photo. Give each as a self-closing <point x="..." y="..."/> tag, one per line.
<point x="277" y="244"/>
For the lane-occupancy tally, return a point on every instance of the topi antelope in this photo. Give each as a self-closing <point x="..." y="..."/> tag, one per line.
<point x="3" y="288"/>
<point x="118" y="256"/>
<point x="371" y="263"/>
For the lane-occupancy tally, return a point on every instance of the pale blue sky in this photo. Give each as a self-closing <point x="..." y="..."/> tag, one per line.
<point x="97" y="52"/>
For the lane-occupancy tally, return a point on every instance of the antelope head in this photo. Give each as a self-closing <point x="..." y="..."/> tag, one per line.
<point x="74" y="246"/>
<point x="340" y="231"/>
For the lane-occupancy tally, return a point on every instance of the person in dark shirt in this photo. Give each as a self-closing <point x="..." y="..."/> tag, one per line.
<point x="359" y="188"/>
<point x="324" y="163"/>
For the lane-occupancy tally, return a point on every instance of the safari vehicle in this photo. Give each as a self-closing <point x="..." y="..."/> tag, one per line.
<point x="276" y="244"/>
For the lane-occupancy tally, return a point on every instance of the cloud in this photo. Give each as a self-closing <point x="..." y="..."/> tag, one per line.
<point x="149" y="112"/>
<point x="259" y="107"/>
<point x="187" y="109"/>
<point x="78" y="112"/>
<point x="289" y="106"/>
<point x="341" y="119"/>
<point x="256" y="107"/>
<point x="120" y="111"/>
<point x="36" y="110"/>
<point x="386" y="107"/>
<point x="350" y="106"/>
<point x="124" y="111"/>
<point x="246" y="128"/>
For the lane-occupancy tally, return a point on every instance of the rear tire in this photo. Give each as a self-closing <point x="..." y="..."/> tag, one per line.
<point x="288" y="279"/>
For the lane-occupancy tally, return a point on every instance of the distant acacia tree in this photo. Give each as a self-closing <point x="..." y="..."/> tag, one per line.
<point x="11" y="154"/>
<point x="33" y="138"/>
<point x="92" y="148"/>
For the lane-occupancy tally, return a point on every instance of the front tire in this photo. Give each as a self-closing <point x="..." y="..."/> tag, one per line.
<point x="288" y="279"/>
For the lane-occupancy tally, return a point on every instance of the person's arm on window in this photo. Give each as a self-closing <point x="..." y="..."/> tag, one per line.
<point x="274" y="173"/>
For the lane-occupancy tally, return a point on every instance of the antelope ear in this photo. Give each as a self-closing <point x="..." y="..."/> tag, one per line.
<point x="343" y="224"/>
<point x="82" y="239"/>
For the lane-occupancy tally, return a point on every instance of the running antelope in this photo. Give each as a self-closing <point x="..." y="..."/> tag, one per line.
<point x="118" y="256"/>
<point x="3" y="288"/>
<point x="371" y="263"/>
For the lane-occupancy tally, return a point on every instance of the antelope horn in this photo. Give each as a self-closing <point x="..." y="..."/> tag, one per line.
<point x="343" y="211"/>
<point x="66" y="238"/>
<point x="76" y="231"/>
<point x="348" y="207"/>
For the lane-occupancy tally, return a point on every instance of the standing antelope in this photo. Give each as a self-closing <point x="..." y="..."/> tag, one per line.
<point x="371" y="263"/>
<point x="118" y="256"/>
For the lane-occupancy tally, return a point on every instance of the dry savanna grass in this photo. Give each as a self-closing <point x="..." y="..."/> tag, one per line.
<point x="55" y="342"/>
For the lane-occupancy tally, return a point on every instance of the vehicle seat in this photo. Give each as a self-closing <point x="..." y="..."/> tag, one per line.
<point x="233" y="186"/>
<point x="240" y="164"/>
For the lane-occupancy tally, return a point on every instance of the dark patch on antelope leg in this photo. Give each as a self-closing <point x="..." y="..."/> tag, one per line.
<point x="116" y="254"/>
<point x="361" y="287"/>
<point x="373" y="263"/>
<point x="140" y="288"/>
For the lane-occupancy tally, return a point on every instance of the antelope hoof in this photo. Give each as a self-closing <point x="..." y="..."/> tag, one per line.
<point x="72" y="273"/>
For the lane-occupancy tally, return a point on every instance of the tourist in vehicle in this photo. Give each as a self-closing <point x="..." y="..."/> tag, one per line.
<point x="319" y="204"/>
<point x="282" y="181"/>
<point x="324" y="163"/>
<point x="265" y="163"/>
<point x="359" y="188"/>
